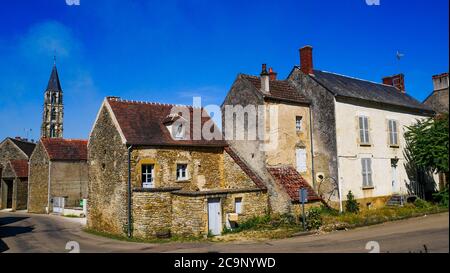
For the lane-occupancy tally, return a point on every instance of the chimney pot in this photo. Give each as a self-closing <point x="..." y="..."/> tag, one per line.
<point x="272" y="74"/>
<point x="306" y="60"/>
<point x="264" y="79"/>
<point x="398" y="81"/>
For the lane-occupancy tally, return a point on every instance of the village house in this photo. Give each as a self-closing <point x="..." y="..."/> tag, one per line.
<point x="150" y="176"/>
<point x="58" y="176"/>
<point x="13" y="177"/>
<point x="358" y="130"/>
<point x="281" y="151"/>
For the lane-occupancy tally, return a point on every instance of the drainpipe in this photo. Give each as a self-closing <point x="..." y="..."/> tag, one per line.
<point x="48" y="186"/>
<point x="129" y="192"/>
<point x="312" y="148"/>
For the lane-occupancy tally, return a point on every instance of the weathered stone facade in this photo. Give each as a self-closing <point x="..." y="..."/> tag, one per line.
<point x="174" y="206"/>
<point x="18" y="185"/>
<point x="52" y="177"/>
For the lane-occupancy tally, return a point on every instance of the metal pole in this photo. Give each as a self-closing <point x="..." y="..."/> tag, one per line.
<point x="129" y="192"/>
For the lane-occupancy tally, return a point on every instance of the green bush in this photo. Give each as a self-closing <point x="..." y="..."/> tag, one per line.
<point x="351" y="205"/>
<point x="421" y="204"/>
<point x="441" y="197"/>
<point x="313" y="219"/>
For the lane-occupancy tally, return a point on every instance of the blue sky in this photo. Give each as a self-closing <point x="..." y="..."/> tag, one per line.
<point x="169" y="51"/>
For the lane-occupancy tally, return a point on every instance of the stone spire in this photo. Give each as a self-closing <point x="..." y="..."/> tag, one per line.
<point x="52" y="118"/>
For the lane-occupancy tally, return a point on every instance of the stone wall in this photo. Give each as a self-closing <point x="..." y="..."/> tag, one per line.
<point x="69" y="180"/>
<point x="189" y="215"/>
<point x="38" y="181"/>
<point x="21" y="193"/>
<point x="108" y="174"/>
<point x="253" y="204"/>
<point x="152" y="213"/>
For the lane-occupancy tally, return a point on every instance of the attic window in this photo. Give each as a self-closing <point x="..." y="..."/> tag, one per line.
<point x="179" y="132"/>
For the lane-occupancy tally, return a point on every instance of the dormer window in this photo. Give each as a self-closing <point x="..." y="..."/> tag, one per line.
<point x="179" y="132"/>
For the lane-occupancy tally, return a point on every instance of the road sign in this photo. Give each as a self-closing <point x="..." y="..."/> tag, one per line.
<point x="303" y="194"/>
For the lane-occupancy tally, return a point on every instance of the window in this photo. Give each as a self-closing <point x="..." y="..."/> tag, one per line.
<point x="182" y="172"/>
<point x="367" y="172"/>
<point x="393" y="133"/>
<point x="238" y="205"/>
<point x="179" y="131"/>
<point x="298" y="123"/>
<point x="52" y="131"/>
<point x="53" y="114"/>
<point x="148" y="173"/>
<point x="364" y="130"/>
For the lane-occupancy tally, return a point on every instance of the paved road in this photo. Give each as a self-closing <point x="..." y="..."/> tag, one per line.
<point x="21" y="232"/>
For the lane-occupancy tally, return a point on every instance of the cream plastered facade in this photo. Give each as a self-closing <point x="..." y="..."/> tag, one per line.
<point x="350" y="151"/>
<point x="288" y="139"/>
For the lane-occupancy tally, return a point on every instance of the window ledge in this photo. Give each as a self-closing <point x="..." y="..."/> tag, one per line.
<point x="368" y="188"/>
<point x="183" y="180"/>
<point x="394" y="146"/>
<point x="365" y="144"/>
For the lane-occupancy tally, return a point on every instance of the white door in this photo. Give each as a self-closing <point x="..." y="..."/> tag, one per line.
<point x="214" y="216"/>
<point x="300" y="155"/>
<point x="395" y="186"/>
<point x="58" y="204"/>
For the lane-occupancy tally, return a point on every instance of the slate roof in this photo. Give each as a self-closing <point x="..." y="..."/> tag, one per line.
<point x="65" y="149"/>
<point x="278" y="90"/>
<point x="20" y="167"/>
<point x="144" y="123"/>
<point x="26" y="146"/>
<point x="347" y="87"/>
<point x="292" y="181"/>
<point x="53" y="82"/>
<point x="255" y="178"/>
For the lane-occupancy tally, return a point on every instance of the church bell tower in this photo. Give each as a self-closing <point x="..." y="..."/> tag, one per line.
<point x="52" y="118"/>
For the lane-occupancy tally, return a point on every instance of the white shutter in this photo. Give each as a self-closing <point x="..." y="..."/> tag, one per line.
<point x="301" y="160"/>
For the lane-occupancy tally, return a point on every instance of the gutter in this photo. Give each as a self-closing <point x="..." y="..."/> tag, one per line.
<point x="129" y="229"/>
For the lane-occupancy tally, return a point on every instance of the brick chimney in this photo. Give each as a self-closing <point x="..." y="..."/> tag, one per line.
<point x="398" y="81"/>
<point x="440" y="81"/>
<point x="272" y="74"/>
<point x="306" y="60"/>
<point x="264" y="79"/>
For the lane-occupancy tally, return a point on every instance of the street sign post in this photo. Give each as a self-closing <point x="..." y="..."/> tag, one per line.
<point x="303" y="197"/>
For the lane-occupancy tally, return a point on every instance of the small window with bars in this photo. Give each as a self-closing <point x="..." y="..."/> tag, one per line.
<point x="182" y="173"/>
<point x="393" y="133"/>
<point x="366" y="172"/>
<point x="298" y="123"/>
<point x="364" y="130"/>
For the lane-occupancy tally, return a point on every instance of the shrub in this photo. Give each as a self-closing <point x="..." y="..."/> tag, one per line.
<point x="313" y="219"/>
<point x="421" y="204"/>
<point x="441" y="197"/>
<point x="351" y="205"/>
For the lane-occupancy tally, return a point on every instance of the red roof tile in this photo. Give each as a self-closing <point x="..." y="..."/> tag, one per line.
<point x="144" y="123"/>
<point x="292" y="181"/>
<point x="278" y="90"/>
<point x="256" y="179"/>
<point x="20" y="167"/>
<point x="65" y="149"/>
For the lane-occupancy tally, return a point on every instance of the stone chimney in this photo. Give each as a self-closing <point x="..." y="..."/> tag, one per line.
<point x="264" y="79"/>
<point x="272" y="74"/>
<point x="306" y="60"/>
<point x="398" y="81"/>
<point x="440" y="81"/>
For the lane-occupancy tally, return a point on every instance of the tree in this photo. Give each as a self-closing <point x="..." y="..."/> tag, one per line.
<point x="427" y="143"/>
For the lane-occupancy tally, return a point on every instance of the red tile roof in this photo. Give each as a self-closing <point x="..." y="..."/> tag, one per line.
<point x="20" y="167"/>
<point x="278" y="90"/>
<point x="144" y="123"/>
<point x="256" y="179"/>
<point x="65" y="149"/>
<point x="292" y="181"/>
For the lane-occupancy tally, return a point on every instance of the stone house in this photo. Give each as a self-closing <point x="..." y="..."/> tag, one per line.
<point x="149" y="175"/>
<point x="13" y="149"/>
<point x="438" y="99"/>
<point x="58" y="175"/>
<point x="358" y="132"/>
<point x="280" y="150"/>
<point x="15" y="177"/>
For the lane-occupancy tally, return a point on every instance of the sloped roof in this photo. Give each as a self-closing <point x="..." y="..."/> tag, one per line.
<point x="53" y="82"/>
<point x="20" y="167"/>
<point x="26" y="146"/>
<point x="143" y="123"/>
<point x="278" y="90"/>
<point x="65" y="149"/>
<point x="344" y="86"/>
<point x="247" y="170"/>
<point x="292" y="181"/>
